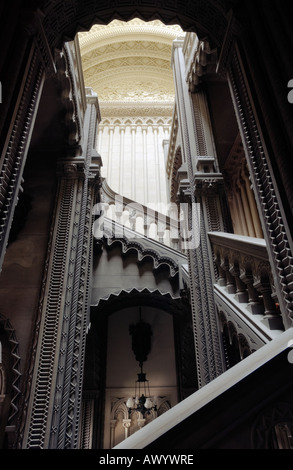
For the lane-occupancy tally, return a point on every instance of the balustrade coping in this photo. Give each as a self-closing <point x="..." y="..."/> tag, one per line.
<point x="252" y="246"/>
<point x="240" y="312"/>
<point x="128" y="234"/>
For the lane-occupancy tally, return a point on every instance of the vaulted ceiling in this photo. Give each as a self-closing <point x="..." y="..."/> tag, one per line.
<point x="129" y="62"/>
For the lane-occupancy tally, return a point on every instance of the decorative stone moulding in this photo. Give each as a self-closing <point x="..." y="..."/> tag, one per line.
<point x="73" y="112"/>
<point x="205" y="164"/>
<point x="203" y="62"/>
<point x="144" y="247"/>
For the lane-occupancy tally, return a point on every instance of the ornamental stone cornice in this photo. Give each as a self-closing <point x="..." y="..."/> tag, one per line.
<point x="128" y="71"/>
<point x="139" y="117"/>
<point x="126" y="62"/>
<point x="146" y="248"/>
<point x="130" y="109"/>
<point x="118" y="30"/>
<point x="129" y="48"/>
<point x="134" y="87"/>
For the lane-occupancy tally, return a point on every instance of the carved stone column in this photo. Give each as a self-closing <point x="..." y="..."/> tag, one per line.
<point x="121" y="163"/>
<point x="271" y="316"/>
<point x="126" y="424"/>
<point x="55" y="399"/>
<point x="254" y="304"/>
<point x="110" y="157"/>
<point x="113" y="423"/>
<point x="195" y="190"/>
<point x="241" y="292"/>
<point x="230" y="282"/>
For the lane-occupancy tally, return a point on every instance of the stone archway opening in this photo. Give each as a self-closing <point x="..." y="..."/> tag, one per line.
<point x="62" y="21"/>
<point x="111" y="367"/>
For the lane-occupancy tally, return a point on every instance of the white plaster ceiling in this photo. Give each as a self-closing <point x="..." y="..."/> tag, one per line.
<point x="129" y="62"/>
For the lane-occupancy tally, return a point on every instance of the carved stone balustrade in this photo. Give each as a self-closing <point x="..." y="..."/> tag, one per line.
<point x="162" y="227"/>
<point x="244" y="276"/>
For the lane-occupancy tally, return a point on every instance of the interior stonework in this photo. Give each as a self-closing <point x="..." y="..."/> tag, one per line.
<point x="145" y="157"/>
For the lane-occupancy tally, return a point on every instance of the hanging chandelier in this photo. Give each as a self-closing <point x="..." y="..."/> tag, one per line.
<point x="141" y="401"/>
<point x="141" y="344"/>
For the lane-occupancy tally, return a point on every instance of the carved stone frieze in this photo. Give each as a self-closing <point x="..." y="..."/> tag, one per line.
<point x="144" y="247"/>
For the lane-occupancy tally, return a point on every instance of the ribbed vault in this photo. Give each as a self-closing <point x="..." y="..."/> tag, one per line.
<point x="129" y="61"/>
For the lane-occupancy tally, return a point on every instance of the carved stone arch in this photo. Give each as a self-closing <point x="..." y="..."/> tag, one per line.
<point x="163" y="406"/>
<point x="248" y="263"/>
<point x="266" y="274"/>
<point x="96" y="348"/>
<point x="173" y="305"/>
<point x="263" y="270"/>
<point x="223" y="321"/>
<point x="143" y="254"/>
<point x="225" y="328"/>
<point x="244" y="346"/>
<point x="273" y="427"/>
<point x="233" y="349"/>
<point x="61" y="21"/>
<point x="233" y="335"/>
<point x="119" y="407"/>
<point x="150" y="122"/>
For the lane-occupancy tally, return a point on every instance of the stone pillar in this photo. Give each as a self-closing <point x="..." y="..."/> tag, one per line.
<point x="55" y="400"/>
<point x="126" y="424"/>
<point x="254" y="303"/>
<point x="209" y="358"/>
<point x="113" y="423"/>
<point x="145" y="163"/>
<point x="121" y="176"/>
<point x="157" y="163"/>
<point x="133" y="165"/>
<point x="100" y="139"/>
<point x="110" y="162"/>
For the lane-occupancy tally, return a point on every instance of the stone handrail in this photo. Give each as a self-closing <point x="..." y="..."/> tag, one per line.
<point x="161" y="227"/>
<point x="244" y="272"/>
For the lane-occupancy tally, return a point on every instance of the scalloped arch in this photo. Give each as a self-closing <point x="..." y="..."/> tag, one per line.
<point x="174" y="305"/>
